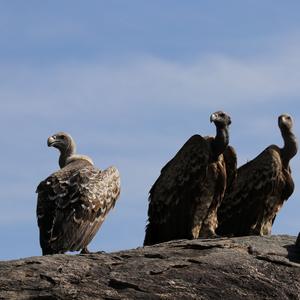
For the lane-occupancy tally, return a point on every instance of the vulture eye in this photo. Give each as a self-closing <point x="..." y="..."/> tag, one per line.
<point x="222" y="115"/>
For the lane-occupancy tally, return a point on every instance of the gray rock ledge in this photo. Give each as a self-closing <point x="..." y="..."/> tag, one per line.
<point x="226" y="268"/>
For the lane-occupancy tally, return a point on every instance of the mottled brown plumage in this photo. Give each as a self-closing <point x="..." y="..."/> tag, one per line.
<point x="263" y="184"/>
<point x="74" y="201"/>
<point x="184" y="199"/>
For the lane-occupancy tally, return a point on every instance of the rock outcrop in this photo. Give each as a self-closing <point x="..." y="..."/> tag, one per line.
<point x="225" y="268"/>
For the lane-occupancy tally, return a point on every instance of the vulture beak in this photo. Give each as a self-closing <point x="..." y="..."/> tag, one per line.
<point x="213" y="118"/>
<point x="51" y="140"/>
<point x="229" y="121"/>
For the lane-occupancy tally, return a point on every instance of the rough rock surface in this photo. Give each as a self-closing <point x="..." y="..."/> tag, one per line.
<point x="226" y="268"/>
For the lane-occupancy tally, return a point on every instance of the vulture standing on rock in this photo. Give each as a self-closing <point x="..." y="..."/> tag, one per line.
<point x="250" y="205"/>
<point x="184" y="199"/>
<point x="74" y="201"/>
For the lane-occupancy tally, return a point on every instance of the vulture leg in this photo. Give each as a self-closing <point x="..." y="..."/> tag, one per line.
<point x="209" y="226"/>
<point x="257" y="229"/>
<point x="203" y="204"/>
<point x="217" y="178"/>
<point x="85" y="251"/>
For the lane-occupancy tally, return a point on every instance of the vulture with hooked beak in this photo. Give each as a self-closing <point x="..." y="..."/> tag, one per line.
<point x="183" y="201"/>
<point x="74" y="201"/>
<point x="263" y="184"/>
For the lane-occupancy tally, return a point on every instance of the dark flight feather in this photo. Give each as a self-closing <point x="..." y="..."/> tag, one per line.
<point x="250" y="205"/>
<point x="184" y="199"/>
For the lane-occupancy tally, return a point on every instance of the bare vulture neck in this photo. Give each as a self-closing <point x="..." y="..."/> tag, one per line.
<point x="66" y="154"/>
<point x="220" y="142"/>
<point x="290" y="147"/>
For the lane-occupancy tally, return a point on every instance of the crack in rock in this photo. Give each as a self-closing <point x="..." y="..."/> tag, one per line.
<point x="121" y="285"/>
<point x="48" y="278"/>
<point x="155" y="255"/>
<point x="281" y="261"/>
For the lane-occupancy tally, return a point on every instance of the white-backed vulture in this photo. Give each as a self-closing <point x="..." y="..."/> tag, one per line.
<point x="184" y="199"/>
<point x="74" y="201"/>
<point x="263" y="184"/>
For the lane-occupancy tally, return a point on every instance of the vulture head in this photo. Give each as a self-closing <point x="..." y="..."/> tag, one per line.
<point x="67" y="147"/>
<point x="290" y="148"/>
<point x="62" y="141"/>
<point x="220" y="119"/>
<point x="285" y="121"/>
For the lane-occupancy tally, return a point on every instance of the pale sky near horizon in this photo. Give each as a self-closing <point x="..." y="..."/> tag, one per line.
<point x="131" y="81"/>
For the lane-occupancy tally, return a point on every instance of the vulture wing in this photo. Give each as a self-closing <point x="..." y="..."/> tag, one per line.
<point x="180" y="180"/>
<point x="230" y="159"/>
<point x="253" y="196"/>
<point x="72" y="204"/>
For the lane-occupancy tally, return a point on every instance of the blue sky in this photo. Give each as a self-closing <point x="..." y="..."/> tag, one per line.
<point x="131" y="81"/>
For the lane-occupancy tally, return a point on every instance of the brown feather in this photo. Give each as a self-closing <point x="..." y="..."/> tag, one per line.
<point x="184" y="199"/>
<point x="72" y="204"/>
<point x="250" y="206"/>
